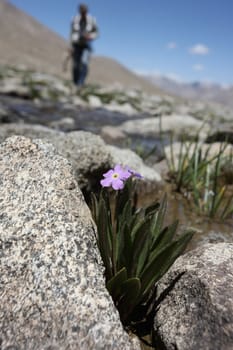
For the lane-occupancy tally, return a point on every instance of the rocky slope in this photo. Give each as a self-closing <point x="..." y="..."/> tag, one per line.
<point x="24" y="41"/>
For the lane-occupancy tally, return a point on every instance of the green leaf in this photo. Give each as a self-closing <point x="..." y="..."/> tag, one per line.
<point x="157" y="222"/>
<point x="140" y="248"/>
<point x="162" y="261"/>
<point x="172" y="163"/>
<point x="104" y="240"/>
<point x="218" y="200"/>
<point x="152" y="209"/>
<point x="122" y="197"/>
<point x="183" y="158"/>
<point x="215" y="184"/>
<point x="228" y="209"/>
<point x="94" y="207"/>
<point x="143" y="256"/>
<point x="130" y="293"/>
<point x="115" y="283"/>
<point x="125" y="248"/>
<point x="124" y="216"/>
<point x="165" y="237"/>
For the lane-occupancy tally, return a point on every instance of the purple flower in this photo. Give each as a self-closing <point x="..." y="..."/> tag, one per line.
<point x="115" y="177"/>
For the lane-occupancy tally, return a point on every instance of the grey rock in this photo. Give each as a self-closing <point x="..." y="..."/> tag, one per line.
<point x="161" y="168"/>
<point x="13" y="86"/>
<point x="215" y="112"/>
<point x="86" y="152"/>
<point x="89" y="155"/>
<point x="204" y="236"/>
<point x="161" y="110"/>
<point x="77" y="101"/>
<point x="125" y="108"/>
<point x="112" y="134"/>
<point x="94" y="101"/>
<point x="50" y="81"/>
<point x="52" y="289"/>
<point x="64" y="124"/>
<point x="28" y="130"/>
<point x="167" y="123"/>
<point x="198" y="311"/>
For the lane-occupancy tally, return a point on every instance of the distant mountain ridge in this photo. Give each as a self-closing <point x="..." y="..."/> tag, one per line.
<point x="211" y="92"/>
<point x="24" y="41"/>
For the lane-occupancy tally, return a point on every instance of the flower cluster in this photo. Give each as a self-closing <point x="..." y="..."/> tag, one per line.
<point x="117" y="176"/>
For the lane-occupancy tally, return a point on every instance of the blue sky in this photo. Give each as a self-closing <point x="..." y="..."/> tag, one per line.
<point x="190" y="40"/>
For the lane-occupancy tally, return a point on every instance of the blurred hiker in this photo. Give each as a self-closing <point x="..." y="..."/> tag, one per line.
<point x="83" y="31"/>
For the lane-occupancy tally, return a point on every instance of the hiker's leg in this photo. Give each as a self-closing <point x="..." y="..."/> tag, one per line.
<point x="84" y="65"/>
<point x="77" y="53"/>
<point x="74" y="73"/>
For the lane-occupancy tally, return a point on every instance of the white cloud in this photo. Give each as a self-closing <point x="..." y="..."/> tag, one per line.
<point x="199" y="49"/>
<point x="172" y="45"/>
<point x="198" y="67"/>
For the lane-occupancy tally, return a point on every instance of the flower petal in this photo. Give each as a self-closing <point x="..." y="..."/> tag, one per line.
<point x="123" y="173"/>
<point x="118" y="168"/>
<point x="117" y="184"/>
<point x="108" y="173"/>
<point x="126" y="174"/>
<point x="107" y="182"/>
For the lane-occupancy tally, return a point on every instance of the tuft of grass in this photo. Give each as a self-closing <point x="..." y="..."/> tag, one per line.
<point x="196" y="172"/>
